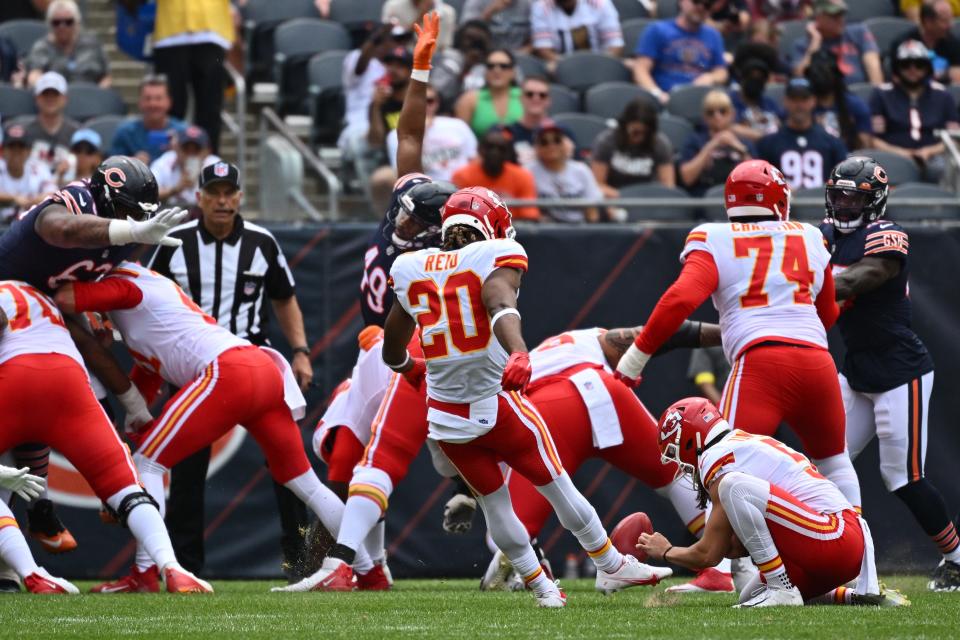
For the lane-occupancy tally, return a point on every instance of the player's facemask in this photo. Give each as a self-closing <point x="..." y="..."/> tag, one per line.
<point x="845" y="208"/>
<point x="410" y="232"/>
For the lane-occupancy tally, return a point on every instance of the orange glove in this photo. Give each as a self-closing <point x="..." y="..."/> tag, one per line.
<point x="369" y="336"/>
<point x="426" y="41"/>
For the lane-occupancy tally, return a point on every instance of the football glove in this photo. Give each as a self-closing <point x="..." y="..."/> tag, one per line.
<point x="458" y="513"/>
<point x="151" y="231"/>
<point x="516" y="375"/>
<point x="21" y="482"/>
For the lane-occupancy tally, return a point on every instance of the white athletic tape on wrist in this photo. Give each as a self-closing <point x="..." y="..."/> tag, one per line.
<point x="403" y="364"/>
<point x="633" y="362"/>
<point x="119" y="232"/>
<point x="420" y="75"/>
<point x="510" y="311"/>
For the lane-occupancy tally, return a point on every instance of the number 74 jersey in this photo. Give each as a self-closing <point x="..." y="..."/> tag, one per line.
<point x="442" y="291"/>
<point x="770" y="274"/>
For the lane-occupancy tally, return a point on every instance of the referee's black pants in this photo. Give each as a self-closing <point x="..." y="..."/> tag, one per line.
<point x="185" y="515"/>
<point x="200" y="67"/>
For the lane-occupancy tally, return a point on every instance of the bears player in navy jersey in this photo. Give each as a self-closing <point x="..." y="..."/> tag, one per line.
<point x="887" y="373"/>
<point x="80" y="233"/>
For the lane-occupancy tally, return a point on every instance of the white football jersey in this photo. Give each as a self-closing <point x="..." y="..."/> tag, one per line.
<point x="770" y="275"/>
<point x="442" y="291"/>
<point x="356" y="407"/>
<point x="566" y="350"/>
<point x="34" y="324"/>
<point x="771" y="460"/>
<point x="167" y="333"/>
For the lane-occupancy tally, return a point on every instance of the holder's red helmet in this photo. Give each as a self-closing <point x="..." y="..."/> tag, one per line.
<point x="478" y="208"/>
<point x="683" y="430"/>
<point x="756" y="188"/>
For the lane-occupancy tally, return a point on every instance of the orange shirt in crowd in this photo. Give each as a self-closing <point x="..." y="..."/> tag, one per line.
<point x="513" y="182"/>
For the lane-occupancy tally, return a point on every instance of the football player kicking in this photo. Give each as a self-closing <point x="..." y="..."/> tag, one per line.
<point x="41" y="369"/>
<point x="771" y="503"/>
<point x="224" y="381"/>
<point x="463" y="299"/>
<point x="887" y="373"/>
<point x="771" y="282"/>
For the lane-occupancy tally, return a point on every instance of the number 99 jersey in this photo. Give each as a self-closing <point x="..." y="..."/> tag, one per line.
<point x="770" y="273"/>
<point x="442" y="291"/>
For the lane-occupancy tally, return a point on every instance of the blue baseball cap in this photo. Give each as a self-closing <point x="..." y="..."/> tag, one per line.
<point x="799" y="88"/>
<point x="88" y="136"/>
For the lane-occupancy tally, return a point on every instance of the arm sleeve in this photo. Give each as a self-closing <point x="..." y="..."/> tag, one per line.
<point x="868" y="44"/>
<point x="826" y="302"/>
<point x="697" y="280"/>
<point x="107" y="295"/>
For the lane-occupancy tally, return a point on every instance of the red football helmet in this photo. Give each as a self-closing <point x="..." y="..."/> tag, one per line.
<point x="756" y="188"/>
<point x="478" y="208"/>
<point x="683" y="429"/>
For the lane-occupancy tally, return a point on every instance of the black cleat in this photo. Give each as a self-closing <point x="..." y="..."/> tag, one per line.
<point x="9" y="586"/>
<point x="946" y="577"/>
<point x="46" y="528"/>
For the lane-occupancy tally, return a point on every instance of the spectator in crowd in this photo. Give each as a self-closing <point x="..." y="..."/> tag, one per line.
<point x="86" y="146"/>
<point x="802" y="149"/>
<point x="708" y="370"/>
<point x="362" y="68"/>
<point x="775" y="11"/>
<point x="912" y="9"/>
<point x="936" y="19"/>
<point x="681" y="51"/>
<point x="384" y="115"/>
<point x="498" y="102"/>
<point x="757" y="113"/>
<point x="558" y="176"/>
<point x="852" y="44"/>
<point x="448" y="143"/>
<point x="409" y="12"/>
<point x="231" y="268"/>
<point x="75" y="54"/>
<point x="190" y="40"/>
<point x="731" y="18"/>
<point x="178" y="170"/>
<point x="23" y="9"/>
<point x="509" y="20"/>
<point x="842" y="113"/>
<point x="461" y="67"/>
<point x="634" y="152"/>
<point x="10" y="68"/>
<point x="561" y="27"/>
<point x="50" y="131"/>
<point x="496" y="169"/>
<point x="147" y="137"/>
<point x="24" y="181"/>
<point x="711" y="153"/>
<point x="907" y="114"/>
<point x="535" y="100"/>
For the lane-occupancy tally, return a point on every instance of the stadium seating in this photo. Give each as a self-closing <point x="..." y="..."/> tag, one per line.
<point x="608" y="99"/>
<point x="294" y="42"/>
<point x="860" y="10"/>
<point x="326" y="101"/>
<point x="678" y="213"/>
<point x="887" y="29"/>
<point x="919" y="190"/>
<point x="531" y="66"/>
<point x="687" y="102"/>
<point x="357" y="16"/>
<point x="15" y="102"/>
<point x="23" y="33"/>
<point x="715" y="212"/>
<point x="106" y="126"/>
<point x="260" y="20"/>
<point x="676" y="129"/>
<point x="456" y="4"/>
<point x="563" y="100"/>
<point x="629" y="9"/>
<point x="790" y="32"/>
<point x="582" y="70"/>
<point x="668" y="8"/>
<point x="86" y="101"/>
<point x="632" y="30"/>
<point x="584" y="127"/>
<point x="901" y="170"/>
<point x="807" y="213"/>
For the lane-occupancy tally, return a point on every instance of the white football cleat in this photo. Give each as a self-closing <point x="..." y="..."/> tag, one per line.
<point x="767" y="597"/>
<point x="744" y="571"/>
<point x="497" y="575"/>
<point x="632" y="573"/>
<point x="334" y="575"/>
<point x="553" y="599"/>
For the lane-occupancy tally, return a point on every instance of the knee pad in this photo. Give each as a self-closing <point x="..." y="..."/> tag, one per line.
<point x="131" y="501"/>
<point x="371" y="483"/>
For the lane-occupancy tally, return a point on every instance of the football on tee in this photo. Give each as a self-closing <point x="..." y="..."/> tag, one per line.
<point x="625" y="535"/>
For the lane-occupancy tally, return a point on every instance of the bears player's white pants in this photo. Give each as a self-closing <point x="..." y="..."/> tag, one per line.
<point x="898" y="418"/>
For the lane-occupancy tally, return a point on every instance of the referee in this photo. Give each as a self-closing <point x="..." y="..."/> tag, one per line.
<point x="229" y="267"/>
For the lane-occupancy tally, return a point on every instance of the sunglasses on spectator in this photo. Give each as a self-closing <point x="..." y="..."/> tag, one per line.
<point x="63" y="22"/>
<point x="548" y="140"/>
<point x="543" y="95"/>
<point x="709" y="113"/>
<point x="916" y="64"/>
<point x="499" y="65"/>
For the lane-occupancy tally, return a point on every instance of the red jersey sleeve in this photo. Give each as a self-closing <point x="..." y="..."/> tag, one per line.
<point x="826" y="301"/>
<point x="697" y="280"/>
<point x="106" y="295"/>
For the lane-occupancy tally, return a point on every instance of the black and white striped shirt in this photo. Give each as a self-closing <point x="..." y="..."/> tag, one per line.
<point x="228" y="278"/>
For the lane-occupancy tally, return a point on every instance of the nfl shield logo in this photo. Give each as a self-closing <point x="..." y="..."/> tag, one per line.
<point x="221" y="169"/>
<point x="249" y="288"/>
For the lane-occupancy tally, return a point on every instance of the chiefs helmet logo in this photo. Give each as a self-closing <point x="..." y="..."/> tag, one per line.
<point x="115" y="177"/>
<point x="671" y="424"/>
<point x="777" y="176"/>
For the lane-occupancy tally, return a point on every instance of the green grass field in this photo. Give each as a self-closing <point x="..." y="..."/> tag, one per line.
<point x="456" y="609"/>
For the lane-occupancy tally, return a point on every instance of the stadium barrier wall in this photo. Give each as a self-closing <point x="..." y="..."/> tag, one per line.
<point x="579" y="277"/>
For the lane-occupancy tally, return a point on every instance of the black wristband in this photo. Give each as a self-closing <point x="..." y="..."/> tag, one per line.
<point x="664" y="556"/>
<point x="304" y="350"/>
<point x="686" y="337"/>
